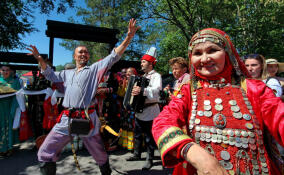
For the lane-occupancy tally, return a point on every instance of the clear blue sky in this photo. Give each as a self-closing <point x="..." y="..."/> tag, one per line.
<point x="39" y="39"/>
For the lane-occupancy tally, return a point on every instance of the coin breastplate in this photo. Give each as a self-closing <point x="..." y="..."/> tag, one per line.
<point x="223" y="122"/>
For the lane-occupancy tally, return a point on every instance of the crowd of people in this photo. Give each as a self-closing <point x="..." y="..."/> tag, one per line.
<point x="224" y="113"/>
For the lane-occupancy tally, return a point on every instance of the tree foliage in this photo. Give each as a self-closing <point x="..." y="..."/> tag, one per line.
<point x="16" y="18"/>
<point x="254" y="26"/>
<point x="113" y="14"/>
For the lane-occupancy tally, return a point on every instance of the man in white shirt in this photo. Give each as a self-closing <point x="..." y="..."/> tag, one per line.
<point x="144" y="120"/>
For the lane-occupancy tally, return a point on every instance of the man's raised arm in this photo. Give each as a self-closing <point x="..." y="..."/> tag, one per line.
<point x="130" y="34"/>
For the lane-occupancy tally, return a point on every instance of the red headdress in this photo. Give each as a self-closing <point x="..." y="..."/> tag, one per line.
<point x="233" y="61"/>
<point x="150" y="55"/>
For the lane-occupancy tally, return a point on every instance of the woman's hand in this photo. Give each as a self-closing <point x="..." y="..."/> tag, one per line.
<point x="204" y="162"/>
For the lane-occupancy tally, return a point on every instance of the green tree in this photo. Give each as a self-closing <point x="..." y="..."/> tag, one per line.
<point x="254" y="26"/>
<point x="16" y="18"/>
<point x="113" y="14"/>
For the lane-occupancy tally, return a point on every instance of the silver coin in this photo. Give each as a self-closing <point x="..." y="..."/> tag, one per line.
<point x="225" y="155"/>
<point x="197" y="135"/>
<point x="203" y="135"/>
<point x="235" y="108"/>
<point x="232" y="102"/>
<point x="194" y="99"/>
<point x="238" y="139"/>
<point x="214" y="138"/>
<point x="203" y="128"/>
<point x="191" y="126"/>
<point x="213" y="130"/>
<point x="264" y="169"/>
<point x="263" y="164"/>
<point x="206" y="129"/>
<point x="193" y="115"/>
<point x="245" y="145"/>
<point x="244" y="133"/>
<point x="194" y="107"/>
<point x="207" y="107"/>
<point x="249" y="107"/>
<point x="197" y="121"/>
<point x="197" y="128"/>
<point x="208" y="135"/>
<point x="226" y="141"/>
<point x="232" y="139"/>
<point x="194" y="96"/>
<point x="262" y="159"/>
<point x="224" y="132"/>
<point x="226" y="164"/>
<point x="251" y="140"/>
<point x="194" y="93"/>
<point x="208" y="140"/>
<point x="237" y="133"/>
<point x="202" y="138"/>
<point x="219" y="131"/>
<point x="200" y="113"/>
<point x="245" y="98"/>
<point x="179" y="96"/>
<point x="256" y="167"/>
<point x="252" y="112"/>
<point x="247" y="103"/>
<point x="219" y="141"/>
<point x="219" y="107"/>
<point x="230" y="132"/>
<point x="193" y="112"/>
<point x="251" y="134"/>
<point x="208" y="113"/>
<point x="225" y="138"/>
<point x="249" y="125"/>
<point x="244" y="140"/>
<point x="232" y="143"/>
<point x="195" y="103"/>
<point x="206" y="102"/>
<point x="218" y="101"/>
<point x="237" y="115"/>
<point x="238" y="145"/>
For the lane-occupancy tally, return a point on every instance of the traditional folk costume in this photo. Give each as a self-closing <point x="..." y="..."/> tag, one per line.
<point x="80" y="88"/>
<point x="8" y="106"/>
<point x="224" y="115"/>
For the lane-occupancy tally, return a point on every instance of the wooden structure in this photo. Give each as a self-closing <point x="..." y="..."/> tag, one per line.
<point x="22" y="60"/>
<point x="64" y="30"/>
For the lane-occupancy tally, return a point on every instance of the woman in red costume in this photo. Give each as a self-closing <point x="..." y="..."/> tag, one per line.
<point x="215" y="124"/>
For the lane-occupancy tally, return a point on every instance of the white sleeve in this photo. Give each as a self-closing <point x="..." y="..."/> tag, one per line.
<point x="275" y="86"/>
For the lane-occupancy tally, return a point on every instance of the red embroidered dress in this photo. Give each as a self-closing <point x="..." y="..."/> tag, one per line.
<point x="226" y="117"/>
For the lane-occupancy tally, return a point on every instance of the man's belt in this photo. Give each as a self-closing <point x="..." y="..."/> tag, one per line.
<point x="74" y="112"/>
<point x="150" y="104"/>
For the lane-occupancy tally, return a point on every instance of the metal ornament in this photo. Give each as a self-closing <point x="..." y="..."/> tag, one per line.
<point x="219" y="107"/>
<point x="225" y="155"/>
<point x="233" y="102"/>
<point x="218" y="101"/>
<point x="237" y="115"/>
<point x="207" y="102"/>
<point x="220" y="121"/>
<point x="208" y="113"/>
<point x="247" y="117"/>
<point x="226" y="164"/>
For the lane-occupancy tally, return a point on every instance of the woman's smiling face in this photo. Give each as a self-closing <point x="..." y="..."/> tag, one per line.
<point x="208" y="58"/>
